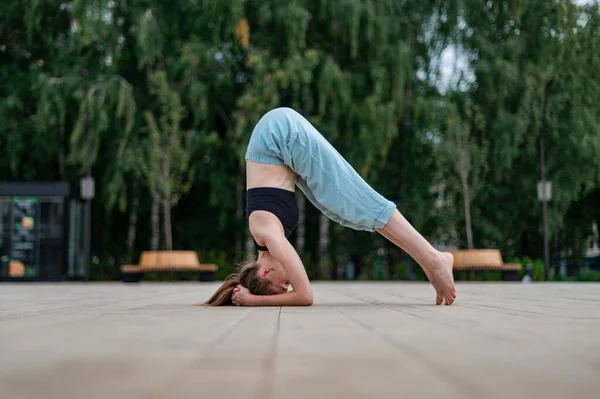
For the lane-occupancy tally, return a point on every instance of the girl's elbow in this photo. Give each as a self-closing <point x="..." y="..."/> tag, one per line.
<point x="306" y="300"/>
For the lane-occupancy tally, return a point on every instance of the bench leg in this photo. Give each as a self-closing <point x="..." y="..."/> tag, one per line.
<point x="131" y="277"/>
<point x="510" y="275"/>
<point x="206" y="276"/>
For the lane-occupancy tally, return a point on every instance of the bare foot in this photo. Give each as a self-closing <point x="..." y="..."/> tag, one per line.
<point x="440" y="276"/>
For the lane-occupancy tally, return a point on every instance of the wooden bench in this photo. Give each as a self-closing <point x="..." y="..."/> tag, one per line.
<point x="473" y="260"/>
<point x="168" y="262"/>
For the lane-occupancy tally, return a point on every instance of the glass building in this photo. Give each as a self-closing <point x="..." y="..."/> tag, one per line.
<point x="41" y="232"/>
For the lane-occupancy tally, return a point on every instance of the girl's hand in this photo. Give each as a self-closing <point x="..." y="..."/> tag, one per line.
<point x="241" y="296"/>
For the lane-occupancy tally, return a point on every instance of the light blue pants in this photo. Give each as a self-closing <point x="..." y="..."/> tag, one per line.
<point x="283" y="136"/>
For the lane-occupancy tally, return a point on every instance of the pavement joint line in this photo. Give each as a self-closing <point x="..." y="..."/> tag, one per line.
<point x="465" y="387"/>
<point x="265" y="390"/>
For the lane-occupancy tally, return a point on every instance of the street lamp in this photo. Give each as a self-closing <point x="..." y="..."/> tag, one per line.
<point x="86" y="185"/>
<point x="87" y="193"/>
<point x="545" y="187"/>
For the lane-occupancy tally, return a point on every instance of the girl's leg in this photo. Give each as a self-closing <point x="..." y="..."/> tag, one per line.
<point x="437" y="265"/>
<point x="336" y="189"/>
<point x="327" y="179"/>
<point x="303" y="186"/>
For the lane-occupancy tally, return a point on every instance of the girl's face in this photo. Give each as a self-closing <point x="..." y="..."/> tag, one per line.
<point x="271" y="269"/>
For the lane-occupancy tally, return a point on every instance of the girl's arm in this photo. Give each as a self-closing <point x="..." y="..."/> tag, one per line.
<point x="301" y="295"/>
<point x="291" y="298"/>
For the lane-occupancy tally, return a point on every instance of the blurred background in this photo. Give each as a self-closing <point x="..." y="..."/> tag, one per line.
<point x="123" y="128"/>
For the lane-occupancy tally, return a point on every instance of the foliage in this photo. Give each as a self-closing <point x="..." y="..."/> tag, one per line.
<point x="169" y="94"/>
<point x="164" y="155"/>
<point x="536" y="263"/>
<point x="589" y="275"/>
<point x="220" y="258"/>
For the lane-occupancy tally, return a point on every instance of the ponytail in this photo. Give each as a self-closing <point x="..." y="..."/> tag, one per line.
<point x="222" y="296"/>
<point x="246" y="276"/>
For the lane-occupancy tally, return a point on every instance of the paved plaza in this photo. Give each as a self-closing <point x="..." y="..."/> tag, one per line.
<point x="359" y="340"/>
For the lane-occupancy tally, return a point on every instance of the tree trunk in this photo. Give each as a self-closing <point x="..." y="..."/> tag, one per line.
<point x="576" y="252"/>
<point x="250" y="249"/>
<point x="154" y="217"/>
<point x="239" y="212"/>
<point x="167" y="218"/>
<point x="324" y="222"/>
<point x="131" y="232"/>
<point x="301" y="232"/>
<point x="61" y="162"/>
<point x="467" y="202"/>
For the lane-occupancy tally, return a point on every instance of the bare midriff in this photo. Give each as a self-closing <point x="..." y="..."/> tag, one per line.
<point x="269" y="175"/>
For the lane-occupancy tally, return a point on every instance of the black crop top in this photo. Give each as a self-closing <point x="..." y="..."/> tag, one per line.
<point x="280" y="202"/>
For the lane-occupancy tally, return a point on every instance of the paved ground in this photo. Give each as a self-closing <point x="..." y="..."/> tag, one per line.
<point x="363" y="340"/>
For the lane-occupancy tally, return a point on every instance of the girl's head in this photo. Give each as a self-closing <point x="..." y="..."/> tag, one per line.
<point x="265" y="276"/>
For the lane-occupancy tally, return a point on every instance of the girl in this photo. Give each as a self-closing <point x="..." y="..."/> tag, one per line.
<point x="285" y="150"/>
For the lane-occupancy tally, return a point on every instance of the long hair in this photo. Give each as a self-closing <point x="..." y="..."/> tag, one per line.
<point x="247" y="276"/>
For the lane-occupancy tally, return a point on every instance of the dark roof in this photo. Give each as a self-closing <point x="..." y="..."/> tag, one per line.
<point x="58" y="189"/>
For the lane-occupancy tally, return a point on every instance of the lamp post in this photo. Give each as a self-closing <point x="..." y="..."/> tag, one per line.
<point x="545" y="187"/>
<point x="87" y="189"/>
<point x="87" y="193"/>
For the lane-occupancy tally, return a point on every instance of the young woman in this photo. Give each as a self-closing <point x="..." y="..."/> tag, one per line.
<point x="285" y="150"/>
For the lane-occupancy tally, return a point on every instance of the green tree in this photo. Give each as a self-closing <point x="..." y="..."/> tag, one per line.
<point x="467" y="158"/>
<point x="367" y="74"/>
<point x="513" y="49"/>
<point x="164" y="156"/>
